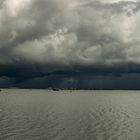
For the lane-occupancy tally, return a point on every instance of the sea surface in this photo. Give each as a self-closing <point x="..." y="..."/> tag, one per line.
<point x="65" y="115"/>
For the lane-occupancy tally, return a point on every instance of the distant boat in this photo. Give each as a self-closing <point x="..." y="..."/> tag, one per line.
<point x="55" y="89"/>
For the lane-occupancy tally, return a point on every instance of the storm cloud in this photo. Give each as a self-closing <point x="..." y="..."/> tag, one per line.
<point x="67" y="39"/>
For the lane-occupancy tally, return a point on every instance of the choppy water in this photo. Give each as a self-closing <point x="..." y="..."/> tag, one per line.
<point x="80" y="115"/>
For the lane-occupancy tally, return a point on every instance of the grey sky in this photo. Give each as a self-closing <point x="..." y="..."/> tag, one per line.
<point x="69" y="33"/>
<point x="65" y="32"/>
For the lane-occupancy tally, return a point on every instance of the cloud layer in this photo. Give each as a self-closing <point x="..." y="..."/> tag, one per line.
<point x="68" y="32"/>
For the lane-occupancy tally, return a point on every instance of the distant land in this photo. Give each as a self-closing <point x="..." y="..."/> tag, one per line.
<point x="61" y="89"/>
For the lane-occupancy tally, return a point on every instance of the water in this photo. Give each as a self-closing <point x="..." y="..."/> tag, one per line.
<point x="80" y="115"/>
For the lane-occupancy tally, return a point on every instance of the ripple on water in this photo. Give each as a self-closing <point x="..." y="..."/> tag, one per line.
<point x="41" y="115"/>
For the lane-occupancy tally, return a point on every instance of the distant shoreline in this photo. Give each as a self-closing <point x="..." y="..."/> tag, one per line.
<point x="68" y="89"/>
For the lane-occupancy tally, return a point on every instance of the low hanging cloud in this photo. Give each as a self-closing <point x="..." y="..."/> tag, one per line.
<point x="68" y="34"/>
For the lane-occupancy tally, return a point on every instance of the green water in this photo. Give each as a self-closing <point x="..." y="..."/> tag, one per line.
<point x="61" y="115"/>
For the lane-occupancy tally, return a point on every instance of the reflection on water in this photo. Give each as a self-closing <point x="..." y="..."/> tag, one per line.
<point x="80" y="115"/>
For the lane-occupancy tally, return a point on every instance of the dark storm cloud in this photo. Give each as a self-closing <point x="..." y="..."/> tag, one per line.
<point x="67" y="39"/>
<point x="78" y="77"/>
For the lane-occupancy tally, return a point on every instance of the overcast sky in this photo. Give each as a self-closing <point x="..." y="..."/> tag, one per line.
<point x="70" y="43"/>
